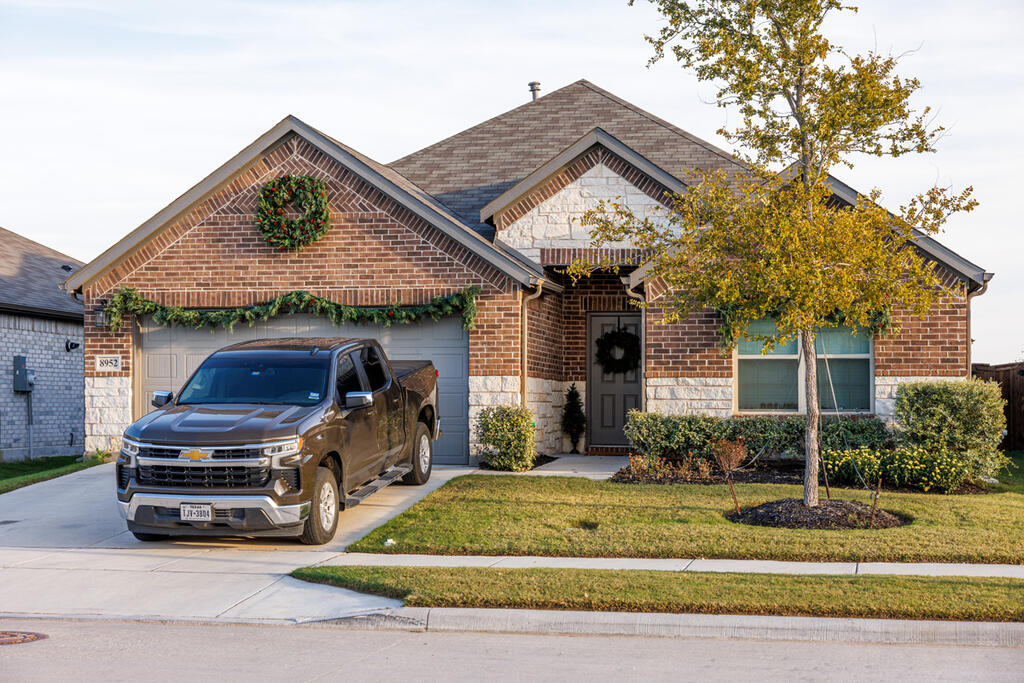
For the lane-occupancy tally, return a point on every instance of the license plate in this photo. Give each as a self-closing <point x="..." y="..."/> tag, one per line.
<point x="196" y="512"/>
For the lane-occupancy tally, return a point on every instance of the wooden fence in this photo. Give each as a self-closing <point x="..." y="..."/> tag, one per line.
<point x="1011" y="378"/>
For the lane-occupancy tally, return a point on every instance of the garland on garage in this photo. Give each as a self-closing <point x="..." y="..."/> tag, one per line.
<point x="127" y="300"/>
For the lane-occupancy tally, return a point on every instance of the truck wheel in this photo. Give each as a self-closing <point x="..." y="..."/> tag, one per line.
<point x="323" y="510"/>
<point x="147" y="538"/>
<point x="422" y="457"/>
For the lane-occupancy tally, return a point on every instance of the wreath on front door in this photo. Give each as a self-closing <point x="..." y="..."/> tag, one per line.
<point x="618" y="350"/>
<point x="309" y="196"/>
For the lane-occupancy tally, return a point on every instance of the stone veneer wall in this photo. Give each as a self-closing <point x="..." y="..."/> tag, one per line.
<point x="690" y="395"/>
<point x="57" y="404"/>
<point x="108" y="411"/>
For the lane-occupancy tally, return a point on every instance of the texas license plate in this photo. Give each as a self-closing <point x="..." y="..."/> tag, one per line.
<point x="196" y="512"/>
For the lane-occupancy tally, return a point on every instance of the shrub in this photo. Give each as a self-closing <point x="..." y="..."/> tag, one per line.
<point x="674" y="437"/>
<point x="868" y="431"/>
<point x="776" y="435"/>
<point x="574" y="421"/>
<point x="962" y="419"/>
<point x="506" y="438"/>
<point x="904" y="466"/>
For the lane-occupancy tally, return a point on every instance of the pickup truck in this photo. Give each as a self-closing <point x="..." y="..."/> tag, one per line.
<point x="274" y="437"/>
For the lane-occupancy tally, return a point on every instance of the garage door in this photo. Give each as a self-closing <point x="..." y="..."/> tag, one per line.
<point x="167" y="356"/>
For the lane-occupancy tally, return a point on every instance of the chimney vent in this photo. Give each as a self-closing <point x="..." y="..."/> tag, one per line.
<point x="534" y="88"/>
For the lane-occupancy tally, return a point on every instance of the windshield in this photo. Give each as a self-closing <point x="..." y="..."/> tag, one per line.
<point x="280" y="378"/>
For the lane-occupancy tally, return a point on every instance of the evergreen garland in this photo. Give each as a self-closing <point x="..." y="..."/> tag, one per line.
<point x="574" y="421"/>
<point x="309" y="195"/>
<point x="127" y="300"/>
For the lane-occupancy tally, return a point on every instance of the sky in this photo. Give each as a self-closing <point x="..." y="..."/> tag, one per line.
<point x="111" y="110"/>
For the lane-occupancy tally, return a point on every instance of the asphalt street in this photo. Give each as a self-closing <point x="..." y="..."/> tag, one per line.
<point x="121" y="651"/>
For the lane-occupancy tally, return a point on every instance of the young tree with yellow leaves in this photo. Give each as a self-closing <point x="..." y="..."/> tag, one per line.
<point x="764" y="244"/>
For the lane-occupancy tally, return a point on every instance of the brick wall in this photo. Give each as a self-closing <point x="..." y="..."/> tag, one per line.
<point x="685" y="349"/>
<point x="544" y="346"/>
<point x="375" y="253"/>
<point x="933" y="346"/>
<point x="57" y="402"/>
<point x="601" y="292"/>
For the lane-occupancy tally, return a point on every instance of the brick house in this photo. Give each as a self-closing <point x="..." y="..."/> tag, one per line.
<point x="42" y="323"/>
<point x="495" y="206"/>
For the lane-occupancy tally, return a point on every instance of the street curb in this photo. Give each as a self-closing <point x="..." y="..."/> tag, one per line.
<point x="711" y="626"/>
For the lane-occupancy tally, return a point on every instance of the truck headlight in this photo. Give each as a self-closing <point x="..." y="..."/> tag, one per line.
<point x="290" y="447"/>
<point x="129" y="447"/>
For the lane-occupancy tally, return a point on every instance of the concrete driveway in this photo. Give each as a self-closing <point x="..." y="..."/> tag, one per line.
<point x="64" y="550"/>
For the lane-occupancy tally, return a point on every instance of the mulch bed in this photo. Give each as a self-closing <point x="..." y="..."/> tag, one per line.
<point x="829" y="514"/>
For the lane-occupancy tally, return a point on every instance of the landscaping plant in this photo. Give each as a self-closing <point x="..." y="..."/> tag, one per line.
<point x="574" y="421"/>
<point x="912" y="467"/>
<point x="506" y="438"/>
<point x="755" y="243"/>
<point x="959" y="419"/>
<point x="730" y="455"/>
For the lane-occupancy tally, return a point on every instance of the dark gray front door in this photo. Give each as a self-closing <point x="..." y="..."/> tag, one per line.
<point x="609" y="396"/>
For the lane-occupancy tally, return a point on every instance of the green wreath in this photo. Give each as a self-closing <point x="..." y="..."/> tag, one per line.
<point x="309" y="195"/>
<point x="619" y="338"/>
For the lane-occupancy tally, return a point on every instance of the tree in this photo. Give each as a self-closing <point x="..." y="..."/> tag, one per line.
<point x="573" y="419"/>
<point x="759" y="243"/>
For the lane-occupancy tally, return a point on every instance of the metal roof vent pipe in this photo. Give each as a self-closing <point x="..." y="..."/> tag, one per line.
<point x="534" y="89"/>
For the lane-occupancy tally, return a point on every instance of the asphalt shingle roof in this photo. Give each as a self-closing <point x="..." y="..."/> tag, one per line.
<point x="31" y="276"/>
<point x="468" y="170"/>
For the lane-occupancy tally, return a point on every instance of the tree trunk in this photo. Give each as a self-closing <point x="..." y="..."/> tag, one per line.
<point x="811" y="441"/>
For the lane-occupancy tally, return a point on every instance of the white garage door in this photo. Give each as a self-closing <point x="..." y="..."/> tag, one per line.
<point x="167" y="357"/>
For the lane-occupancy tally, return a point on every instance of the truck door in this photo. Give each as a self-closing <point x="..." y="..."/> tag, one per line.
<point x="358" y="435"/>
<point x="387" y="400"/>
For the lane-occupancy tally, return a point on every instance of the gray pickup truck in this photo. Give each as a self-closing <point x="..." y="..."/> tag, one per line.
<point x="274" y="437"/>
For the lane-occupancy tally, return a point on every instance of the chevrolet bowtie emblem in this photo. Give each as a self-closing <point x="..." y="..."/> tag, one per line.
<point x="195" y="455"/>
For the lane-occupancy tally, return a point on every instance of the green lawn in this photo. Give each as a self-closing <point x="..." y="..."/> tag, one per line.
<point x="891" y="597"/>
<point x="14" y="475"/>
<point x="1012" y="480"/>
<point x="575" y="517"/>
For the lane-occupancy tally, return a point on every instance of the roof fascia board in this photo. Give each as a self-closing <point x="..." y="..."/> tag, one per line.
<point x="138" y="237"/>
<point x="46" y="313"/>
<point x="201" y="191"/>
<point x="543" y="173"/>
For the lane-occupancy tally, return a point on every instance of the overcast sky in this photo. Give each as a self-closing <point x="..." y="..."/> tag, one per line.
<point x="110" y="110"/>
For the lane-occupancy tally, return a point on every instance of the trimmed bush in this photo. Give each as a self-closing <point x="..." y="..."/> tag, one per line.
<point x="960" y="418"/>
<point x="905" y="466"/>
<point x="685" y="437"/>
<point x="506" y="438"/>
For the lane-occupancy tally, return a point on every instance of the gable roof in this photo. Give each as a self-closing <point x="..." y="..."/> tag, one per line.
<point x="469" y="170"/>
<point x="31" y="275"/>
<point x="597" y="136"/>
<point x="385" y="179"/>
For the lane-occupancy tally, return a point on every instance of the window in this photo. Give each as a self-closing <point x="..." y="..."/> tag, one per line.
<point x="376" y="373"/>
<point x="348" y="379"/>
<point x="772" y="381"/>
<point x="276" y="377"/>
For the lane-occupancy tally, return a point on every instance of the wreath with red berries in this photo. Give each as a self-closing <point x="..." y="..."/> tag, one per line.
<point x="309" y="195"/>
<point x="624" y="340"/>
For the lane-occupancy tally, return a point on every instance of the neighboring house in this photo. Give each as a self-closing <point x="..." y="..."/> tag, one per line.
<point x="495" y="206"/>
<point x="43" y="323"/>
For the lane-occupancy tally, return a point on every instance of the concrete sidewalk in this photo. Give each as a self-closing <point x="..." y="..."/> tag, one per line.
<point x="595" y="467"/>
<point x="1012" y="571"/>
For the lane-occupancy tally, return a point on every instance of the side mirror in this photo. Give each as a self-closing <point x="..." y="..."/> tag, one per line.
<point x="358" y="399"/>
<point x="162" y="398"/>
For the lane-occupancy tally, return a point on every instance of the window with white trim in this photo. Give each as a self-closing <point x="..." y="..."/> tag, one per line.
<point x="771" y="382"/>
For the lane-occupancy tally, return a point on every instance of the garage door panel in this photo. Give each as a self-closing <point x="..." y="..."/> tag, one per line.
<point x="169" y="356"/>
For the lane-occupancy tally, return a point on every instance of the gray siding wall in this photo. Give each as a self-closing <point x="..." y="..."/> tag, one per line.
<point x="58" y="401"/>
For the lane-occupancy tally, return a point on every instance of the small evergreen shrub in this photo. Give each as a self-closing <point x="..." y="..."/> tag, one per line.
<point x="506" y="438"/>
<point x="958" y="418"/>
<point x="574" y="421"/>
<point x="898" y="467"/>
<point x="857" y="432"/>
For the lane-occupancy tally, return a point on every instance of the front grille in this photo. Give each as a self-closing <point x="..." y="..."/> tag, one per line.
<point x="217" y="453"/>
<point x="219" y="514"/>
<point x="203" y="477"/>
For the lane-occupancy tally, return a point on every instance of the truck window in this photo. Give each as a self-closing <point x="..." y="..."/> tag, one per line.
<point x="376" y="372"/>
<point x="348" y="378"/>
<point x="277" y="377"/>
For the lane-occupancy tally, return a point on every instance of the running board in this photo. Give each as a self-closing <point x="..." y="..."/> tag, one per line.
<point x="389" y="477"/>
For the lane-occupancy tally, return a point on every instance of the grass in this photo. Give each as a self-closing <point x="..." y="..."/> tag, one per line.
<point x="1012" y="480"/>
<point x="890" y="597"/>
<point x="575" y="517"/>
<point x="14" y="475"/>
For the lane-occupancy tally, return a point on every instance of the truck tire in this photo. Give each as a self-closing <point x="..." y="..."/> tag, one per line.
<point x="322" y="522"/>
<point x="148" y="538"/>
<point x="422" y="457"/>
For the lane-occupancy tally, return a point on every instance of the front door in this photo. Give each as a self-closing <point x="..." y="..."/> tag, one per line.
<point x="610" y="395"/>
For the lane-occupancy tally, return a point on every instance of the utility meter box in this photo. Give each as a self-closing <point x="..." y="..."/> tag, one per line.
<point x="24" y="377"/>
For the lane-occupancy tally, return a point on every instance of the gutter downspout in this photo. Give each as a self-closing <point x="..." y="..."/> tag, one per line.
<point x="524" y="328"/>
<point x="971" y="295"/>
<point x="632" y="294"/>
